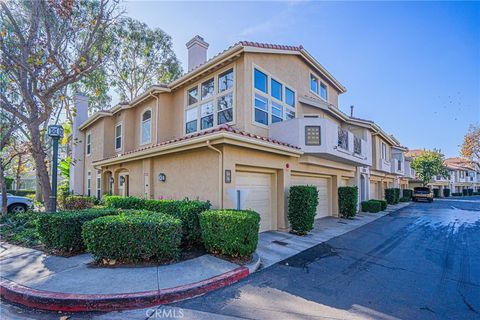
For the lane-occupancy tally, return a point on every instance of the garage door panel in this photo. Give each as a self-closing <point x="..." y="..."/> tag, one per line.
<point x="323" y="187"/>
<point x="259" y="198"/>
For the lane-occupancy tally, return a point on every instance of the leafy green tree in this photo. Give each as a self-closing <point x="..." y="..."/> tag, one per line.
<point x="429" y="164"/>
<point x="45" y="47"/>
<point x="141" y="57"/>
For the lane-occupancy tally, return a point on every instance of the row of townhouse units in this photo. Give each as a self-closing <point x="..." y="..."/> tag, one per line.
<point x="462" y="175"/>
<point x="238" y="130"/>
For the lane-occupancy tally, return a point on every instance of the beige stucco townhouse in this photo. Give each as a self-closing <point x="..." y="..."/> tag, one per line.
<point x="238" y="129"/>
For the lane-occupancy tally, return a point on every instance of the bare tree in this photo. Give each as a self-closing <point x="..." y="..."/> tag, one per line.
<point x="47" y="45"/>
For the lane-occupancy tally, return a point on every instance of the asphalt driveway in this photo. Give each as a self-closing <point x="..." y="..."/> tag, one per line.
<point x="422" y="262"/>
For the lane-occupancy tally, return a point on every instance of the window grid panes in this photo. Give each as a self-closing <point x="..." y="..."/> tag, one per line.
<point x="276" y="107"/>
<point x="89" y="143"/>
<point x="323" y="91"/>
<point x="314" y="84"/>
<point x="118" y="137"/>
<point x="215" y="106"/>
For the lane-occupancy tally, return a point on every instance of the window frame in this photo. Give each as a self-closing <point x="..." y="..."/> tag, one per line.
<point x="270" y="98"/>
<point x="89" y="183"/>
<point x="141" y="126"/>
<point x="118" y="124"/>
<point x="98" y="185"/>
<point x="383" y="155"/>
<point x="319" y="135"/>
<point x="88" y="144"/>
<point x="214" y="99"/>
<point x="320" y="83"/>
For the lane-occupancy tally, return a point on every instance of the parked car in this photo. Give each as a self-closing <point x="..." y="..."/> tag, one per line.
<point x="16" y="204"/>
<point x="422" y="193"/>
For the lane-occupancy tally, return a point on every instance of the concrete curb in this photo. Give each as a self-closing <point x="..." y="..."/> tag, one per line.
<point x="254" y="265"/>
<point x="55" y="301"/>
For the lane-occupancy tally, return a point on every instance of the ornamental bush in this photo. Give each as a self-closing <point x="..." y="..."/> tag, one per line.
<point x="373" y="206"/>
<point x="347" y="201"/>
<point x="78" y="202"/>
<point x="186" y="210"/>
<point x="230" y="232"/>
<point x="405" y="199"/>
<point x="135" y="236"/>
<point x="396" y="192"/>
<point x="446" y="192"/>
<point x="62" y="230"/>
<point x="465" y="192"/>
<point x="457" y="194"/>
<point x="302" y="207"/>
<point x="470" y="192"/>
<point x="407" y="193"/>
<point x="436" y="193"/>
<point x="383" y="204"/>
<point x="390" y="195"/>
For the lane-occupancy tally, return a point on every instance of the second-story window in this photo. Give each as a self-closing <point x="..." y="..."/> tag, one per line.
<point x="88" y="144"/>
<point x="146" y="127"/>
<point x="270" y="108"/>
<point x="318" y="87"/>
<point x="384" y="150"/>
<point x="118" y="136"/>
<point x="215" y="104"/>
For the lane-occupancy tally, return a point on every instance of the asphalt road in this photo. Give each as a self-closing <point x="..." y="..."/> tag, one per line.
<point x="422" y="262"/>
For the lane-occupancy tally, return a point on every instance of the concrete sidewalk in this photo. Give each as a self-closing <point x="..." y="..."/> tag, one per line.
<point x="275" y="246"/>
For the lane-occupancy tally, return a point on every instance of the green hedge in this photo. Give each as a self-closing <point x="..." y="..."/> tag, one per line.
<point x="347" y="201"/>
<point x="390" y="195"/>
<point x="407" y="193"/>
<point x="470" y="192"/>
<point x="446" y="192"/>
<point x="63" y="230"/>
<point x="405" y="199"/>
<point x="465" y="192"/>
<point x="78" y="202"/>
<point x="477" y="193"/>
<point x="134" y="237"/>
<point x="383" y="204"/>
<point x="371" y="206"/>
<point x="457" y="194"/>
<point x="230" y="232"/>
<point x="302" y="207"/>
<point x="187" y="211"/>
<point x="436" y="193"/>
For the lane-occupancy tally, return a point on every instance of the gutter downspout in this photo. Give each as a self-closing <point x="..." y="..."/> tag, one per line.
<point x="156" y="116"/>
<point x="220" y="166"/>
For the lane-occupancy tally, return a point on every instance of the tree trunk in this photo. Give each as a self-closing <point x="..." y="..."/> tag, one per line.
<point x="39" y="157"/>
<point x="3" y="190"/>
<point x="18" y="172"/>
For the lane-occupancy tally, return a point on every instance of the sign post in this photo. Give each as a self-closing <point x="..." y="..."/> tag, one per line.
<point x="55" y="132"/>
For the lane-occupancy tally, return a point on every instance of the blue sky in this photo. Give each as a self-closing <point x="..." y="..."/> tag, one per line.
<point x="412" y="67"/>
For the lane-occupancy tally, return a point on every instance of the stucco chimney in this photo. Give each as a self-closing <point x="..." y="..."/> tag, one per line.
<point x="197" y="52"/>
<point x="77" y="171"/>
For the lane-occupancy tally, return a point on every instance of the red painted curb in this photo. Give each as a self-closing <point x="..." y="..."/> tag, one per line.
<point x="55" y="301"/>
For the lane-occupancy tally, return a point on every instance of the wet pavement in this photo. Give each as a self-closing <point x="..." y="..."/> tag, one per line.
<point x="421" y="262"/>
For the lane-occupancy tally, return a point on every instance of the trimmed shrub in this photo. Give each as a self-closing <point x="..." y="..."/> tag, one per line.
<point x="397" y="193"/>
<point x="405" y="199"/>
<point x="186" y="210"/>
<point x="407" y="193"/>
<point x="446" y="192"/>
<point x="476" y="193"/>
<point x="63" y="230"/>
<point x="371" y="206"/>
<point x="383" y="204"/>
<point x="78" y="202"/>
<point x="390" y="195"/>
<point x="136" y="236"/>
<point x="302" y="207"/>
<point x="230" y="232"/>
<point x="347" y="201"/>
<point x="120" y="202"/>
<point x="465" y="192"/>
<point x="436" y="193"/>
<point x="457" y="194"/>
<point x="470" y="192"/>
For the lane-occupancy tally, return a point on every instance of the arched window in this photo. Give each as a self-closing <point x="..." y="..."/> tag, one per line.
<point x="146" y="127"/>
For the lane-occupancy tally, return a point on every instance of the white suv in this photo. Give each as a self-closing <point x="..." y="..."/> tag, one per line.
<point x="16" y="204"/>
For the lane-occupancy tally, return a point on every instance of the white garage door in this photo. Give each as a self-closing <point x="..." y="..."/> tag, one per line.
<point x="373" y="190"/>
<point x="323" y="187"/>
<point x="259" y="196"/>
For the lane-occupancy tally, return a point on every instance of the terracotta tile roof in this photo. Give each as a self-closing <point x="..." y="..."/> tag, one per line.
<point x="222" y="128"/>
<point x="460" y="163"/>
<point x="414" y="152"/>
<point x="270" y="46"/>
